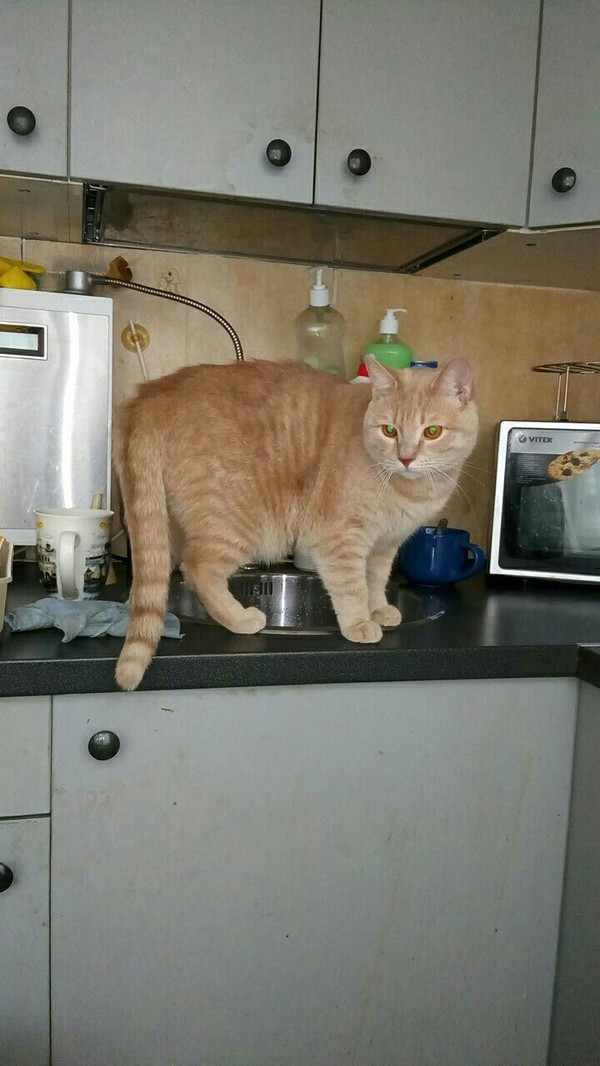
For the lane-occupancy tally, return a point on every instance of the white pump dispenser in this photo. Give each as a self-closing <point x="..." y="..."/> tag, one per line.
<point x="320" y="330"/>
<point x="389" y="322"/>
<point x="319" y="293"/>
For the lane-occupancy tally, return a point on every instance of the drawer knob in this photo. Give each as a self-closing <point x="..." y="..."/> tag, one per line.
<point x="359" y="162"/>
<point x="563" y="179"/>
<point x="104" y="745"/>
<point x="21" y="121"/>
<point x="278" y="153"/>
<point x="6" y="877"/>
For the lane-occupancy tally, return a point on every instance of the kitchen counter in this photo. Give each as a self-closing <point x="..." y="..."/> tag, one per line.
<point x="526" y="629"/>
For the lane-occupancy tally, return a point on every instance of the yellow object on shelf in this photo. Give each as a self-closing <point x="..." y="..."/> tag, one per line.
<point x="29" y="268"/>
<point x="14" y="274"/>
<point x="15" y="278"/>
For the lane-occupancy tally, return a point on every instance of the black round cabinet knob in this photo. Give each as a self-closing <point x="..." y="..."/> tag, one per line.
<point x="278" y="153"/>
<point x="563" y="179"/>
<point x="6" y="877"/>
<point x="359" y="162"/>
<point x="21" y="121"/>
<point x="104" y="745"/>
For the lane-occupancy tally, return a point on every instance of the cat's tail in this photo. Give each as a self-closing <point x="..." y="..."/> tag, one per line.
<point x="143" y="490"/>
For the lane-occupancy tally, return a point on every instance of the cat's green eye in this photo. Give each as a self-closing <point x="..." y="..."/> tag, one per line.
<point x="432" y="432"/>
<point x="389" y="431"/>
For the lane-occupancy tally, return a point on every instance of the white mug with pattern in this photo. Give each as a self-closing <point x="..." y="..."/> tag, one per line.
<point x="73" y="550"/>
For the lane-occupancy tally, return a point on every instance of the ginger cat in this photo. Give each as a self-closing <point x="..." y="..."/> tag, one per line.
<point x="243" y="462"/>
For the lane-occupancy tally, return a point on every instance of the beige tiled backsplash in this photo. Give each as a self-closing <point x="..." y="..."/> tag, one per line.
<point x="503" y="330"/>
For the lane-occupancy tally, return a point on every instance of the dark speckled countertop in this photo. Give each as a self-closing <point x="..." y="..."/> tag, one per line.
<point x="513" y="630"/>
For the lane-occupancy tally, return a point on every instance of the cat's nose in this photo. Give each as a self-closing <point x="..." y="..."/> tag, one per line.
<point x="406" y="460"/>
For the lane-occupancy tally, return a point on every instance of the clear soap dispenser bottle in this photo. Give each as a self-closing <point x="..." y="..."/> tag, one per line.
<point x="320" y="331"/>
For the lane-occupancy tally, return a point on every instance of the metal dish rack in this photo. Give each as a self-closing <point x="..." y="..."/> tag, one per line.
<point x="565" y="370"/>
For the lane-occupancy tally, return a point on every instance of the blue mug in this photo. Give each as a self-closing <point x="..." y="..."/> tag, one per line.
<point x="438" y="555"/>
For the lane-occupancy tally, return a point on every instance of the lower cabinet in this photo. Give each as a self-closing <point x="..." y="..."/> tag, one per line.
<point x="24" y="880"/>
<point x="24" y="941"/>
<point x="309" y="876"/>
<point x="576" y="1018"/>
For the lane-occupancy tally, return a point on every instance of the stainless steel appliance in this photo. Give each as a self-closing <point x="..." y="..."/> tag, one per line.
<point x="55" y="404"/>
<point x="546" y="514"/>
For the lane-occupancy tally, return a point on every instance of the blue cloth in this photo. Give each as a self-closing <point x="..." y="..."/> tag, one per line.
<point x="80" y="618"/>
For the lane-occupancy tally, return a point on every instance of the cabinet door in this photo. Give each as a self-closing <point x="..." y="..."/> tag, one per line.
<point x="24" y="755"/>
<point x="576" y="1019"/>
<point x="24" y="943"/>
<point x="33" y="75"/>
<point x="310" y="875"/>
<point x="441" y="97"/>
<point x="567" y="132"/>
<point x="189" y="95"/>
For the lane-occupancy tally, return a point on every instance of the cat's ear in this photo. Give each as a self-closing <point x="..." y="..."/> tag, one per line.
<point x="380" y="376"/>
<point x="455" y="381"/>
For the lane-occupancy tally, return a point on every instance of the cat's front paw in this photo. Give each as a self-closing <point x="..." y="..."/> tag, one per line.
<point x="250" y="620"/>
<point x="387" y="616"/>
<point x="363" y="632"/>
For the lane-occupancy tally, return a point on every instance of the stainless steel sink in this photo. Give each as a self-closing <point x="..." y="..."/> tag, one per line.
<point x="295" y="601"/>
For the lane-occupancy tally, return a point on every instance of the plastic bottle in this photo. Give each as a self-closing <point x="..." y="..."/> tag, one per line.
<point x="389" y="349"/>
<point x="320" y="331"/>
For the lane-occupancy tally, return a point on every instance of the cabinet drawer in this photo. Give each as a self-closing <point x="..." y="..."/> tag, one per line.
<point x="24" y="755"/>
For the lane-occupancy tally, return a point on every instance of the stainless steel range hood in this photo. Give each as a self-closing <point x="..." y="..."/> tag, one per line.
<point x="130" y="216"/>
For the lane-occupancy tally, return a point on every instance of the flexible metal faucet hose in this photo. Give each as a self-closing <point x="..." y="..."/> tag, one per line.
<point x="81" y="281"/>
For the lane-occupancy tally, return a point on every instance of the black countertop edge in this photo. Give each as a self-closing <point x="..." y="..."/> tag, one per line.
<point x="588" y="667"/>
<point x="483" y="632"/>
<point x="95" y="675"/>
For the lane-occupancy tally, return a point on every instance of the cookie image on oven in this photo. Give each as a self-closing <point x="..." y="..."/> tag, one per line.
<point x="570" y="464"/>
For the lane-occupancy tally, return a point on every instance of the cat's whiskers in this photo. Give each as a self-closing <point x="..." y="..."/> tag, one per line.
<point x="448" y="472"/>
<point x="478" y="481"/>
<point x="383" y="470"/>
<point x="454" y="482"/>
<point x="467" y="474"/>
<point x="385" y="483"/>
<point x="380" y="472"/>
<point x="482" y="469"/>
<point x="429" y="478"/>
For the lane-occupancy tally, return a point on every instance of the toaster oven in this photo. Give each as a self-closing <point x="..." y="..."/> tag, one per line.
<point x="546" y="512"/>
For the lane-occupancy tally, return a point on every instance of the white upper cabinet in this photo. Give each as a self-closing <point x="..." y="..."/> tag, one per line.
<point x="432" y="102"/>
<point x="190" y="95"/>
<point x="439" y="95"/>
<point x="33" y="86"/>
<point x="566" y="164"/>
